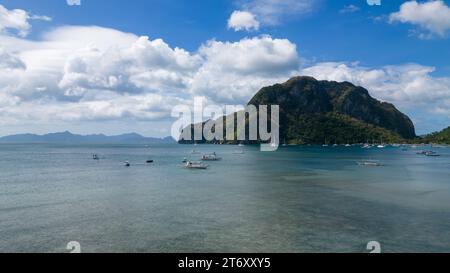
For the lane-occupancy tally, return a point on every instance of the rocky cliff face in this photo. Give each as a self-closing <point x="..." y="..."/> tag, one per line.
<point x="306" y="95"/>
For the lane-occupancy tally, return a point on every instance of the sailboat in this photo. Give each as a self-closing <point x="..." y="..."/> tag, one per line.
<point x="381" y="146"/>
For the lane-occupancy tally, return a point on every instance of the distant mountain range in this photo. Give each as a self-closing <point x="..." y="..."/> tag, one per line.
<point x="69" y="138"/>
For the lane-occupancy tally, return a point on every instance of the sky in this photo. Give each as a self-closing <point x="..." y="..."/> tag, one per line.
<point x="113" y="66"/>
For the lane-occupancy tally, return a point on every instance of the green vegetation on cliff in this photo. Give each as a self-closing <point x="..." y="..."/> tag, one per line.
<point x="442" y="137"/>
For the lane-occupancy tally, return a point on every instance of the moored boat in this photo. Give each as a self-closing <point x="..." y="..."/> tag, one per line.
<point x="370" y="163"/>
<point x="196" y="165"/>
<point x="211" y="157"/>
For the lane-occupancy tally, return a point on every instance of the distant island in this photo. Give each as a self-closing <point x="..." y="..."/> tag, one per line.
<point x="328" y="112"/>
<point x="69" y="138"/>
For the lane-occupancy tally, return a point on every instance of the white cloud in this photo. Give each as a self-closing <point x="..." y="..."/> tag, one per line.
<point x="73" y="2"/>
<point x="84" y="73"/>
<point x="76" y="74"/>
<point x="432" y="16"/>
<point x="243" y="20"/>
<point x="10" y="62"/>
<point x="234" y="71"/>
<point x="271" y="12"/>
<point x="408" y="86"/>
<point x="17" y="20"/>
<point x="349" y="9"/>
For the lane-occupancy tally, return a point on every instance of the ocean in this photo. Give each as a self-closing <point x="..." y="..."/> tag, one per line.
<point x="298" y="199"/>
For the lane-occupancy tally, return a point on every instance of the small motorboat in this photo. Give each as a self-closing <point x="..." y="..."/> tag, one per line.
<point x="196" y="165"/>
<point x="127" y="164"/>
<point x="370" y="163"/>
<point x="149" y="161"/>
<point x="381" y="146"/>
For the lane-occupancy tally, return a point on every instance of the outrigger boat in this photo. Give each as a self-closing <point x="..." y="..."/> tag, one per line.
<point x="196" y="165"/>
<point x="370" y="163"/>
<point x="431" y="153"/>
<point x="211" y="157"/>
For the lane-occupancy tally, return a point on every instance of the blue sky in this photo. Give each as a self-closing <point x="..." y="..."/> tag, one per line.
<point x="399" y="52"/>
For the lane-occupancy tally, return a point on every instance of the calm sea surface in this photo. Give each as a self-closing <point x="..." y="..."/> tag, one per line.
<point x="299" y="199"/>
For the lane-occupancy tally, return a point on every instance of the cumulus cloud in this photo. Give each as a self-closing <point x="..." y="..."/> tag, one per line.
<point x="17" y="21"/>
<point x="142" y="66"/>
<point x="233" y="71"/>
<point x="243" y="20"/>
<point x="81" y="72"/>
<point x="432" y="16"/>
<point x="408" y="86"/>
<point x="271" y="12"/>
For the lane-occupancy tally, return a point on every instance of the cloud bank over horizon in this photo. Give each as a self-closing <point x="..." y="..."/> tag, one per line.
<point x="97" y="75"/>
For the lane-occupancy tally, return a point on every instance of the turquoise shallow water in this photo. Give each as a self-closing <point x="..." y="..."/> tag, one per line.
<point x="299" y="199"/>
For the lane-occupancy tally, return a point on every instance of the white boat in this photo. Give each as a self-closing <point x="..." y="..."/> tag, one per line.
<point x="196" y="165"/>
<point x="432" y="154"/>
<point x="211" y="157"/>
<point x="348" y="145"/>
<point x="381" y="146"/>
<point x="370" y="163"/>
<point x="366" y="146"/>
